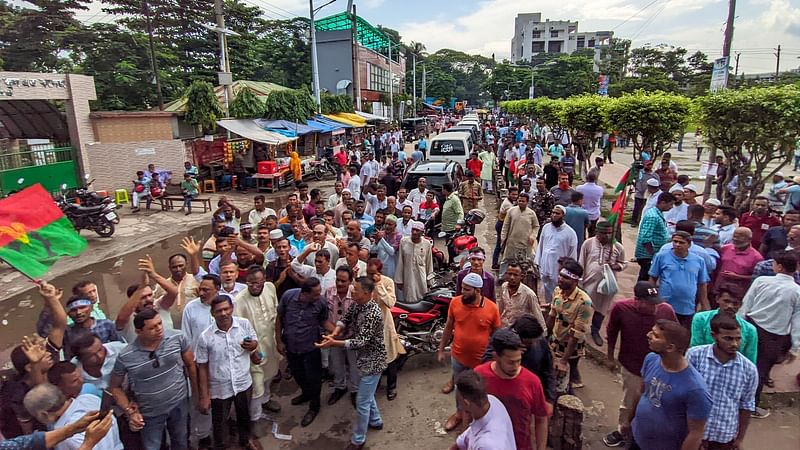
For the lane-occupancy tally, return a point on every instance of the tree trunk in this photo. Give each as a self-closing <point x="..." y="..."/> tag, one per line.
<point x="565" y="425"/>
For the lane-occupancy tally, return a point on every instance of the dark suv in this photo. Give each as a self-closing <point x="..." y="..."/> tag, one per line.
<point x="436" y="173"/>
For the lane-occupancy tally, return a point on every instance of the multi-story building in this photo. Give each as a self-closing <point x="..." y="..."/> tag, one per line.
<point x="533" y="36"/>
<point x="337" y="57"/>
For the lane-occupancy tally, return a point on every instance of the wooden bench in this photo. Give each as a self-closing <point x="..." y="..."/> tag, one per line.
<point x="173" y="194"/>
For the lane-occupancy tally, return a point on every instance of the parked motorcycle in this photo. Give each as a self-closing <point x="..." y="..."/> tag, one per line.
<point x="325" y="165"/>
<point x="420" y="326"/>
<point x="98" y="218"/>
<point x="461" y="241"/>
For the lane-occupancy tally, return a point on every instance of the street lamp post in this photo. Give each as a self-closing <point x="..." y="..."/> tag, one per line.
<point x="314" y="63"/>
<point x="531" y="91"/>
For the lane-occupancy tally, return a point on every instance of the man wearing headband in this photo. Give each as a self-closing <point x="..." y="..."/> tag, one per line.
<point x="595" y="253"/>
<point x="568" y="322"/>
<point x="558" y="240"/>
<point x="79" y="309"/>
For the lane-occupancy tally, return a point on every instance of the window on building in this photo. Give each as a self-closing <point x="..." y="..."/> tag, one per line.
<point x="537" y="47"/>
<point x="536" y="34"/>
<point x="591" y="43"/>
<point x="581" y="42"/>
<point x="554" y="33"/>
<point x="378" y="78"/>
<point x="554" y="47"/>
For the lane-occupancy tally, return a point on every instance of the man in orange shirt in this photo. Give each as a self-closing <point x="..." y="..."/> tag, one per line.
<point x="473" y="318"/>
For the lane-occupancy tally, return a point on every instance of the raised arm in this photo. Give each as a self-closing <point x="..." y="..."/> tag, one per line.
<point x="52" y="299"/>
<point x="146" y="265"/>
<point x="193" y="251"/>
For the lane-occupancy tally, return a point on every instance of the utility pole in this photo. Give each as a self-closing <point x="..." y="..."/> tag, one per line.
<point x="778" y="63"/>
<point x="153" y="60"/>
<point x="391" y="82"/>
<point x="223" y="57"/>
<point x="356" y="68"/>
<point x="726" y="53"/>
<point x="314" y="67"/>
<point x="414" y="77"/>
<point x="736" y="70"/>
<point x="424" y="82"/>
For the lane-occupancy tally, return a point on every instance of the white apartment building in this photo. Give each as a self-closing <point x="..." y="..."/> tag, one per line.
<point x="533" y="36"/>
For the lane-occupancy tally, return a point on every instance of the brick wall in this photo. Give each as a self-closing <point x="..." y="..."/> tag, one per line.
<point x="114" y="165"/>
<point x="117" y="128"/>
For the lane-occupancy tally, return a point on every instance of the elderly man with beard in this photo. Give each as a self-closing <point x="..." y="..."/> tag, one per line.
<point x="471" y="320"/>
<point x="259" y="305"/>
<point x="737" y="261"/>
<point x="596" y="252"/>
<point x="568" y="322"/>
<point x="509" y="202"/>
<point x="414" y="263"/>
<point x="558" y="240"/>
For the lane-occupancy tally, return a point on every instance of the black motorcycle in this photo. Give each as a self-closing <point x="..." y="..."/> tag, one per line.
<point x="323" y="167"/>
<point x="98" y="218"/>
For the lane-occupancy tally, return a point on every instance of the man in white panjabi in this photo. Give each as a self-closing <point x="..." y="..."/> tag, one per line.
<point x="414" y="263"/>
<point x="518" y="236"/>
<point x="595" y="253"/>
<point x="557" y="240"/>
<point x="259" y="305"/>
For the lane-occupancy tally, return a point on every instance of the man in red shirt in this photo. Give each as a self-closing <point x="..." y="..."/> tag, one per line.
<point x="518" y="388"/>
<point x="737" y="262"/>
<point x="631" y="320"/>
<point x="474" y="164"/>
<point x="759" y="220"/>
<point x="471" y="319"/>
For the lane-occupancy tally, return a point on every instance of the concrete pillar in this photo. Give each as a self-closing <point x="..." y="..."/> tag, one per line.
<point x="81" y="133"/>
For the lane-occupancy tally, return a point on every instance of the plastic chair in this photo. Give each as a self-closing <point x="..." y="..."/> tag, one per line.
<point x="121" y="196"/>
<point x="209" y="186"/>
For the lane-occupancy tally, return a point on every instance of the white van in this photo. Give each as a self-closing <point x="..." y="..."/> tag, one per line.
<point x="453" y="146"/>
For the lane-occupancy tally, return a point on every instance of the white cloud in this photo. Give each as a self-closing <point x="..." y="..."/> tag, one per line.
<point x="693" y="24"/>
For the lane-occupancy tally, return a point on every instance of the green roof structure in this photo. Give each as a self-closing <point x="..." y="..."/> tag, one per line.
<point x="367" y="35"/>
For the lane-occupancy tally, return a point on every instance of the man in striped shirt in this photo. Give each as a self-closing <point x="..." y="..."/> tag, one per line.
<point x="156" y="364"/>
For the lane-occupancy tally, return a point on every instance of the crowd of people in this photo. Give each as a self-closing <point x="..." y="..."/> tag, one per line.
<point x="306" y="292"/>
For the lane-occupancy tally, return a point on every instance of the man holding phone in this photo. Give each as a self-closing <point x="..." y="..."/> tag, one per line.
<point x="223" y="355"/>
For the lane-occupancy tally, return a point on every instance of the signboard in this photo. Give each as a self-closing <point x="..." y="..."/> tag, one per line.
<point x="708" y="170"/>
<point x="719" y="74"/>
<point x="144" y="151"/>
<point x="33" y="85"/>
<point x="602" y="82"/>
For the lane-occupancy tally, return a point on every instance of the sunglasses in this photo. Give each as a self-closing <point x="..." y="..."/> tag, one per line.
<point x="154" y="358"/>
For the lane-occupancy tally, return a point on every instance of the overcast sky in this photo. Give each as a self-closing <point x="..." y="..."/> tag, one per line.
<point x="486" y="27"/>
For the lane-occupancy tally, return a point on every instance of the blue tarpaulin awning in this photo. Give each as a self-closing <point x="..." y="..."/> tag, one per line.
<point x="285" y="127"/>
<point x="329" y="122"/>
<point x="435" y="108"/>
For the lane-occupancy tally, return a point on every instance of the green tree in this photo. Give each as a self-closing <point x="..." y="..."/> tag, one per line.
<point x="336" y="103"/>
<point x="614" y="58"/>
<point x="296" y="105"/>
<point x="32" y="39"/>
<point x="653" y="120"/>
<point x="565" y="76"/>
<point x="648" y="79"/>
<point x="202" y="107"/>
<point x="246" y="105"/>
<point x="759" y="125"/>
<point x="583" y="117"/>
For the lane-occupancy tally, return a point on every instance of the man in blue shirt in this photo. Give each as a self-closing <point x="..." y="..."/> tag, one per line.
<point x="682" y="278"/>
<point x="653" y="234"/>
<point x="675" y="404"/>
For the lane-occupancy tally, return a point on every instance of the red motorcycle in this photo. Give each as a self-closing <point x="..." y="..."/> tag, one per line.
<point x="420" y="326"/>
